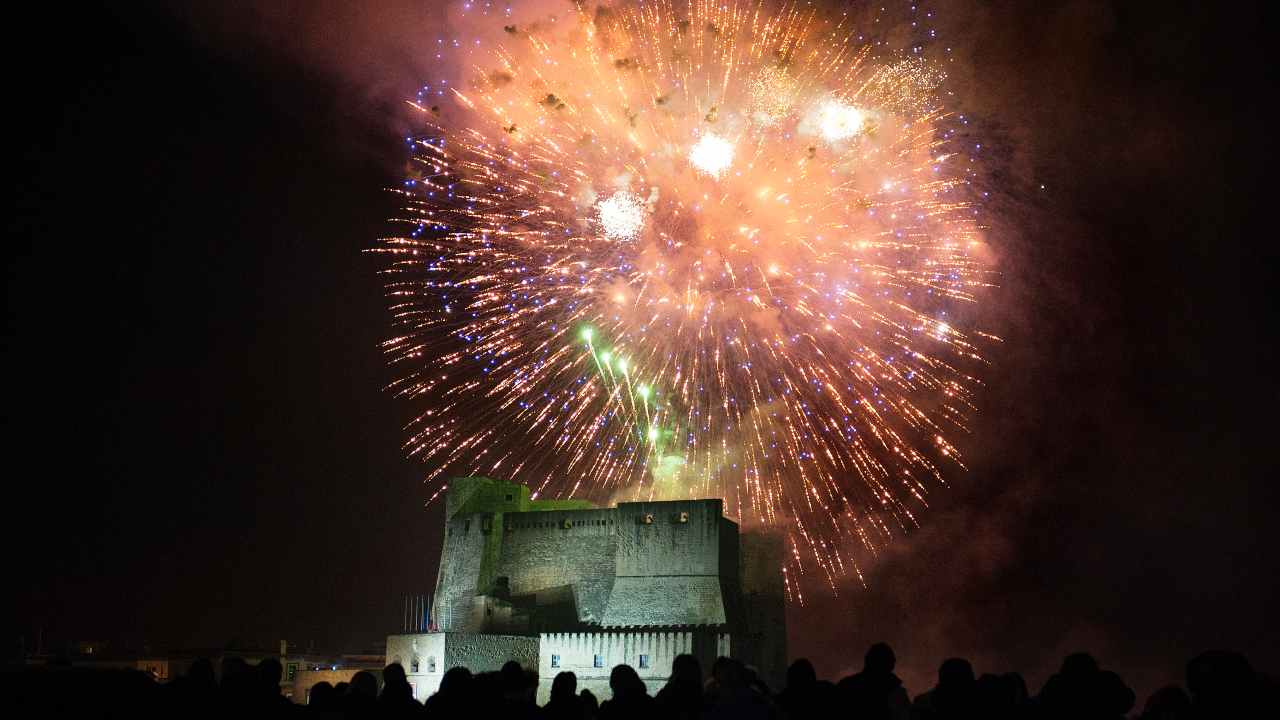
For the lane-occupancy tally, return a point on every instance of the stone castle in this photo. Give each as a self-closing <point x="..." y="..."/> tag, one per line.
<point x="562" y="585"/>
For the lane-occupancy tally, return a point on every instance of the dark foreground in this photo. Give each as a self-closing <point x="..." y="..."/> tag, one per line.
<point x="1218" y="685"/>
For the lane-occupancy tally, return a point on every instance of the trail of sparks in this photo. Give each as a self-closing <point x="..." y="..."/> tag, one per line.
<point x="692" y="249"/>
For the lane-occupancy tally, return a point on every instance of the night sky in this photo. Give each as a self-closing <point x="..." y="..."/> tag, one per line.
<point x="200" y="451"/>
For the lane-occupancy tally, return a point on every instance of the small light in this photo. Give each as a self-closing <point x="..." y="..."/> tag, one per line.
<point x="712" y="154"/>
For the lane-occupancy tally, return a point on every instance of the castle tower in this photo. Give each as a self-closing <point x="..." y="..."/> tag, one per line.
<point x="584" y="589"/>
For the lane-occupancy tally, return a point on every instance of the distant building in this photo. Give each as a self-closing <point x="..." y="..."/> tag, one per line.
<point x="308" y="674"/>
<point x="299" y="670"/>
<point x="562" y="585"/>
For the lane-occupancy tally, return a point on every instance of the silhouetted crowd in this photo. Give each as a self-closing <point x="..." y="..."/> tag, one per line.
<point x="1218" y="685"/>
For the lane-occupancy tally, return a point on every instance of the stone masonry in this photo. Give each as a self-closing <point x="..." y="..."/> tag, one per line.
<point x="561" y="585"/>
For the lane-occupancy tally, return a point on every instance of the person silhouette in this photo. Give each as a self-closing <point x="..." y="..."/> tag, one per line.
<point x="681" y="697"/>
<point x="564" y="703"/>
<point x="397" y="699"/>
<point x="875" y="693"/>
<point x="630" y="700"/>
<point x="953" y="697"/>
<point x="729" y="694"/>
<point x="800" y="697"/>
<point x="1222" y="684"/>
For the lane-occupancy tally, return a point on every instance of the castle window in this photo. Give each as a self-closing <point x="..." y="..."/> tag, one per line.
<point x="599" y="661"/>
<point x="644" y="661"/>
<point x="555" y="661"/>
<point x="508" y="498"/>
<point x="413" y="666"/>
<point x="431" y="664"/>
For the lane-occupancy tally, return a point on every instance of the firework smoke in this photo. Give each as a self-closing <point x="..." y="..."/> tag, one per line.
<point x="674" y="249"/>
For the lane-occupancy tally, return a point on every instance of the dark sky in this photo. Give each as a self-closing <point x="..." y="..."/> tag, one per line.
<point x="200" y="451"/>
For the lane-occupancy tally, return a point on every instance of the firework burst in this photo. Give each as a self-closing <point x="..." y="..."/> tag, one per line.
<point x="689" y="249"/>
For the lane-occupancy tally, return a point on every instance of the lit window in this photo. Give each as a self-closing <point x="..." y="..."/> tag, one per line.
<point x="555" y="661"/>
<point x="644" y="661"/>
<point x="599" y="661"/>
<point x="413" y="666"/>
<point x="431" y="664"/>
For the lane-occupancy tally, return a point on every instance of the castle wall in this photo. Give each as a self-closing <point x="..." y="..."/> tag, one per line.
<point x="558" y="548"/>
<point x="667" y="546"/>
<point x="460" y="569"/>
<point x="427" y="652"/>
<point x="435" y="653"/>
<point x="480" y="546"/>
<point x="576" y="653"/>
<point x="764" y="641"/>
<point x="669" y="571"/>
<point x="484" y="653"/>
<point x="614" y="569"/>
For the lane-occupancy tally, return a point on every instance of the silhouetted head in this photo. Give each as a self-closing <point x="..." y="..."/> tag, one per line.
<point x="512" y="674"/>
<point x="727" y="672"/>
<point x="514" y="680"/>
<point x="879" y="658"/>
<point x="393" y="679"/>
<point x="455" y="680"/>
<point x="341" y="690"/>
<point x="991" y="691"/>
<point x="590" y="702"/>
<point x="486" y="684"/>
<point x="955" y="673"/>
<point x="394" y="684"/>
<point x="393" y="674"/>
<point x="751" y="678"/>
<point x="801" y="674"/>
<point x="364" y="684"/>
<point x="1218" y="676"/>
<point x="564" y="686"/>
<point x="201" y="673"/>
<point x="1167" y="702"/>
<point x="233" y="666"/>
<point x="1116" y="697"/>
<point x="1079" y="665"/>
<point x="269" y="673"/>
<point x="686" y="671"/>
<point x="1015" y="686"/>
<point x="321" y="696"/>
<point x="624" y="681"/>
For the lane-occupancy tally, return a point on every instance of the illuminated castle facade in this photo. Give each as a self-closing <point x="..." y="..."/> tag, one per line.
<point x="562" y="585"/>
